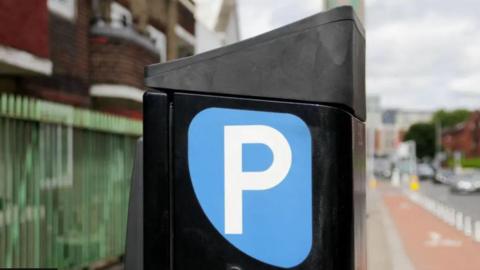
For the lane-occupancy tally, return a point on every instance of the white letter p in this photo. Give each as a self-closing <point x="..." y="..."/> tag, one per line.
<point x="236" y="180"/>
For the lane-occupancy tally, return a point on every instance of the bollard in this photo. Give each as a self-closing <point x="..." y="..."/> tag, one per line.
<point x="444" y="213"/>
<point x="452" y="217"/>
<point x="438" y="209"/>
<point x="467" y="226"/>
<point x="459" y="221"/>
<point x="254" y="154"/>
<point x="477" y="231"/>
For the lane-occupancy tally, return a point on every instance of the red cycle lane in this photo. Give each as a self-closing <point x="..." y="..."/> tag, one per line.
<point x="430" y="243"/>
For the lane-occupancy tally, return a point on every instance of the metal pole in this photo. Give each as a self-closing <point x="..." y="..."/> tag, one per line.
<point x="438" y="133"/>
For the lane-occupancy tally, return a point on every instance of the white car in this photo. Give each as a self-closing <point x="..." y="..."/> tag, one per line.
<point x="466" y="183"/>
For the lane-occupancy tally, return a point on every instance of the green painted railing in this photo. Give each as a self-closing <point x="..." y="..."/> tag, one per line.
<point x="49" y="112"/>
<point x="64" y="183"/>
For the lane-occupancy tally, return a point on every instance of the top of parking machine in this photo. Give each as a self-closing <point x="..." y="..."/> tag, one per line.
<point x="320" y="59"/>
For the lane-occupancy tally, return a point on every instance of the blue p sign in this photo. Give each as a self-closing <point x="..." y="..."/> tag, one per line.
<point x="251" y="173"/>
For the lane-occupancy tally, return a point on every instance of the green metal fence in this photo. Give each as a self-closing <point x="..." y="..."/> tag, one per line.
<point x="64" y="183"/>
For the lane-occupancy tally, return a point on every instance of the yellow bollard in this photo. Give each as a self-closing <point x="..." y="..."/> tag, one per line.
<point x="373" y="183"/>
<point x="414" y="183"/>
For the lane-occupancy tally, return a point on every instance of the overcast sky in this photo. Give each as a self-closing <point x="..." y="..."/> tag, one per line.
<point x="424" y="53"/>
<point x="421" y="54"/>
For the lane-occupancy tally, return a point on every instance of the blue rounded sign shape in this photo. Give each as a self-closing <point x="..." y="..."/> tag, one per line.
<point x="277" y="222"/>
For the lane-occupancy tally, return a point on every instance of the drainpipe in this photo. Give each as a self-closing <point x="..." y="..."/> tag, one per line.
<point x="171" y="35"/>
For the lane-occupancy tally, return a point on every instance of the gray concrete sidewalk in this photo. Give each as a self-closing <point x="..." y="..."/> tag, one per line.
<point x="384" y="247"/>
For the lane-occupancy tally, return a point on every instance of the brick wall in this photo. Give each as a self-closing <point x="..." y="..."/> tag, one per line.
<point x="69" y="43"/>
<point x="118" y="61"/>
<point x="17" y="17"/>
<point x="69" y="53"/>
<point x="466" y="138"/>
<point x="79" y="58"/>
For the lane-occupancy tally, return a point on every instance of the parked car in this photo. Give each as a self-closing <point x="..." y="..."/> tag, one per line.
<point x="465" y="183"/>
<point x="443" y="176"/>
<point x="382" y="168"/>
<point x="425" y="171"/>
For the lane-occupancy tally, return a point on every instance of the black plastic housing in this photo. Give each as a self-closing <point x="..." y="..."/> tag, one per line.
<point x="320" y="59"/>
<point x="313" y="69"/>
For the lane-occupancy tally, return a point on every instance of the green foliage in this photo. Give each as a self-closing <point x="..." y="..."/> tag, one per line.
<point x="450" y="118"/>
<point x="424" y="133"/>
<point x="424" y="136"/>
<point x="466" y="162"/>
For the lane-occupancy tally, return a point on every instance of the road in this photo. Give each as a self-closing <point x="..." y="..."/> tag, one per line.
<point x="469" y="204"/>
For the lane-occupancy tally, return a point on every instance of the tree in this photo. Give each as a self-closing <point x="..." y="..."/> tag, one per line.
<point x="424" y="136"/>
<point x="450" y="118"/>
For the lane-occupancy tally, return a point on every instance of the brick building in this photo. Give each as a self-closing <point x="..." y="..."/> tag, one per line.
<point x="464" y="137"/>
<point x="90" y="53"/>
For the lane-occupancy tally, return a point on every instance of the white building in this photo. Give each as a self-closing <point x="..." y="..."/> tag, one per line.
<point x="374" y="111"/>
<point x="386" y="127"/>
<point x="224" y="31"/>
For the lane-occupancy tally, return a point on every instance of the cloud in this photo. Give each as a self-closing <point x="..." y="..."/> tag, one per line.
<point x="423" y="54"/>
<point x="466" y="85"/>
<point x="260" y="16"/>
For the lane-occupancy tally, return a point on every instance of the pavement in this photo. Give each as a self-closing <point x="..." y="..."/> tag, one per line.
<point x="384" y="247"/>
<point x="403" y="235"/>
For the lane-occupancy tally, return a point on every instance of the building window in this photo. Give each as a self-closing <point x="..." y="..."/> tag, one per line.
<point x="120" y="16"/>
<point x="64" y="8"/>
<point x="160" y="41"/>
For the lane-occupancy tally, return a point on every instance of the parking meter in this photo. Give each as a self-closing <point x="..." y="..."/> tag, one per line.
<point x="254" y="153"/>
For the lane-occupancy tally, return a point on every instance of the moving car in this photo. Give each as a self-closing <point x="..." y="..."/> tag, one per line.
<point x="468" y="182"/>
